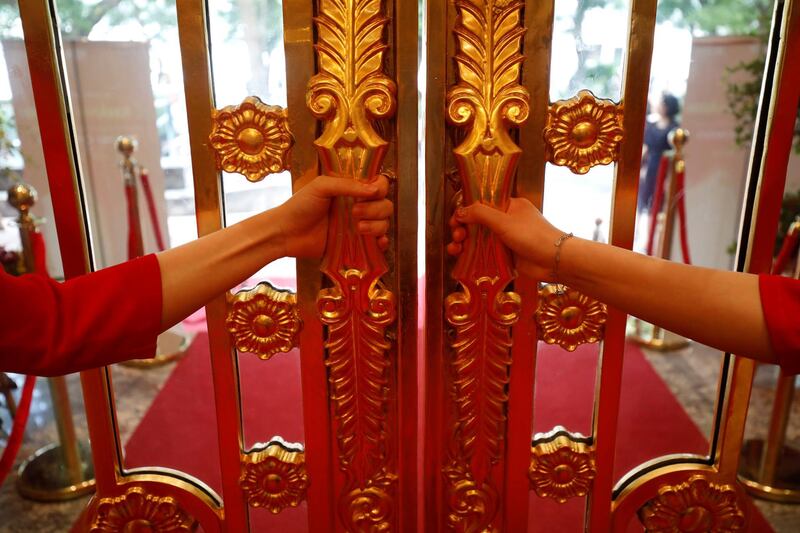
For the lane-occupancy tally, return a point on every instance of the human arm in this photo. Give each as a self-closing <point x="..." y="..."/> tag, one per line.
<point x="114" y="314"/>
<point x="719" y="308"/>
<point x="194" y="273"/>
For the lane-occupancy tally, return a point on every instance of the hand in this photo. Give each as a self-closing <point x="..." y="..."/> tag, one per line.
<point x="304" y="217"/>
<point x="522" y="228"/>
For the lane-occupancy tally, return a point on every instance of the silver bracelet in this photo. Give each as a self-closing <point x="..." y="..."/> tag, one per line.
<point x="557" y="259"/>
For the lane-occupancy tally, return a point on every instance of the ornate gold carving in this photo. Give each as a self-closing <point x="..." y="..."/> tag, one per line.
<point x="561" y="467"/>
<point x="583" y="131"/>
<point x="694" y="506"/>
<point x="137" y="510"/>
<point x="486" y="101"/>
<point x="263" y="320"/>
<point x="349" y="92"/>
<point x="274" y="477"/>
<point x="251" y="138"/>
<point x="568" y="318"/>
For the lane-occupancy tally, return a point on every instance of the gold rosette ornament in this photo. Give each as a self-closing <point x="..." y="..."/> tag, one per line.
<point x="583" y="131"/>
<point x="263" y="320"/>
<point x="569" y="318"/>
<point x="251" y="138"/>
<point x="562" y="468"/>
<point x="137" y="510"/>
<point x="696" y="505"/>
<point x="274" y="478"/>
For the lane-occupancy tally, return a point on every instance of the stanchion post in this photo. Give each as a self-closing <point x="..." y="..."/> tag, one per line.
<point x="677" y="139"/>
<point x="760" y="469"/>
<point x="171" y="344"/>
<point x="776" y="435"/>
<point x="55" y="472"/>
<point x="127" y="146"/>
<point x="661" y="339"/>
<point x="22" y="197"/>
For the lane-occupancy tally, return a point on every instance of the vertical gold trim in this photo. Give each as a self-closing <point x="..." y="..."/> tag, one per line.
<point x="298" y="40"/>
<point x="405" y="24"/>
<point x="198" y="88"/>
<point x="636" y="83"/>
<point x="437" y="38"/>
<point x="537" y="45"/>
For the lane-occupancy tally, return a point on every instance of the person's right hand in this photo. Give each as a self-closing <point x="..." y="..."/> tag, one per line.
<point x="522" y="228"/>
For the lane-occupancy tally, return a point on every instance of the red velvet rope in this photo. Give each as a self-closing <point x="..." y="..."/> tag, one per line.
<point x="39" y="255"/>
<point x="134" y="229"/>
<point x="18" y="429"/>
<point x="24" y="407"/>
<point x="655" y="207"/>
<point x="787" y="250"/>
<point x="680" y="178"/>
<point x="151" y="207"/>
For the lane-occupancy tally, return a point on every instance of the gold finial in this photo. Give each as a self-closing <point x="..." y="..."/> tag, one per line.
<point x="126" y="145"/>
<point x="22" y="197"/>
<point x="678" y="138"/>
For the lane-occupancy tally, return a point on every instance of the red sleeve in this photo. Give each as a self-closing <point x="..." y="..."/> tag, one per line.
<point x="780" y="301"/>
<point x="50" y="328"/>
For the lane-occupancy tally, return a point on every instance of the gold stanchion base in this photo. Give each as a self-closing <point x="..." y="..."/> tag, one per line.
<point x="44" y="477"/>
<point x="172" y="345"/>
<point x="660" y="340"/>
<point x="660" y="345"/>
<point x="786" y="488"/>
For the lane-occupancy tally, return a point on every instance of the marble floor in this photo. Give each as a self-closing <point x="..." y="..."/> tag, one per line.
<point x="691" y="374"/>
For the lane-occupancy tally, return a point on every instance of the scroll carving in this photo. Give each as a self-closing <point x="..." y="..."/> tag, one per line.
<point x="562" y="466"/>
<point x="569" y="318"/>
<point x="487" y="100"/>
<point x="251" y="138"/>
<point x="583" y="131"/>
<point x="274" y="477"/>
<point x="348" y="93"/>
<point x="263" y="320"/>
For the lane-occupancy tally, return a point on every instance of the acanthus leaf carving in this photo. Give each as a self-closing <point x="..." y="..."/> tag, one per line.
<point x="487" y="100"/>
<point x="348" y="93"/>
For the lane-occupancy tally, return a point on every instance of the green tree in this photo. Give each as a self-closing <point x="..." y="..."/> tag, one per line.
<point x="590" y="73"/>
<point x="731" y="17"/>
<point x="718" y="17"/>
<point x="78" y="17"/>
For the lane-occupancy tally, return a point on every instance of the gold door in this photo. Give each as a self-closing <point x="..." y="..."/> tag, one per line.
<point x="416" y="424"/>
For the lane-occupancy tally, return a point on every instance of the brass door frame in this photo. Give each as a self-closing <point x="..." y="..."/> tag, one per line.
<point x="420" y="497"/>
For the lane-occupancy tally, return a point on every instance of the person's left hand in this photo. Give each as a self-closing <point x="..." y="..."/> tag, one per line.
<point x="304" y="217"/>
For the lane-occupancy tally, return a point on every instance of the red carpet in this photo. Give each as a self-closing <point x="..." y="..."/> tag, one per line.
<point x="179" y="429"/>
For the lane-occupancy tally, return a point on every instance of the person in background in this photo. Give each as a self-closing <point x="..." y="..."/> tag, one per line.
<point x="746" y="314"/>
<point x="50" y="328"/>
<point x="656" y="135"/>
